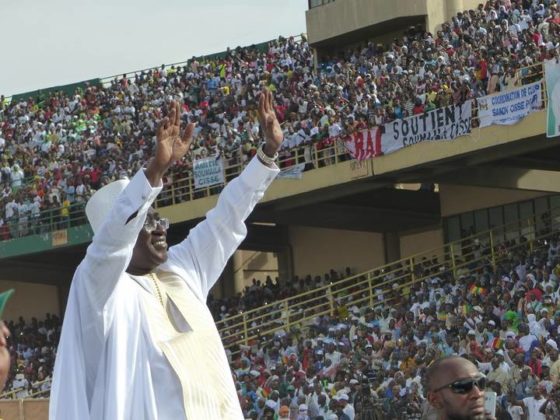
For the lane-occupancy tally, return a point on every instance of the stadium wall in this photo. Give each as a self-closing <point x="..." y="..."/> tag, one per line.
<point x="30" y="300"/>
<point x="316" y="250"/>
<point x="456" y="199"/>
<point x="343" y="17"/>
<point x="412" y="243"/>
<point x="256" y="265"/>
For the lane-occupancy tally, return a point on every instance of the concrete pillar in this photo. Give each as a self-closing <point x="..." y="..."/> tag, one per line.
<point x="63" y="290"/>
<point x="285" y="265"/>
<point x="237" y="268"/>
<point x="392" y="245"/>
<point x="439" y="12"/>
<point x="452" y="6"/>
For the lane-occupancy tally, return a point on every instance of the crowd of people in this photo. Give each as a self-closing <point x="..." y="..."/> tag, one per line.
<point x="258" y="294"/>
<point x="56" y="150"/>
<point x="32" y="347"/>
<point x="358" y="362"/>
<point x="363" y="362"/>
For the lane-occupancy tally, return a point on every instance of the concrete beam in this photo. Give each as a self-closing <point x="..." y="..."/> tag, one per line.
<point x="506" y="177"/>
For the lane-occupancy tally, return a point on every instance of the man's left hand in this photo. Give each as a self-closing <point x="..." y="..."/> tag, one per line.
<point x="268" y="121"/>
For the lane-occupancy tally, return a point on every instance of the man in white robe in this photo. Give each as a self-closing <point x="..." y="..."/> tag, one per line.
<point x="138" y="342"/>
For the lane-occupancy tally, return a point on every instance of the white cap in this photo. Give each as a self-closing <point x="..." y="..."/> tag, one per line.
<point x="552" y="343"/>
<point x="99" y="205"/>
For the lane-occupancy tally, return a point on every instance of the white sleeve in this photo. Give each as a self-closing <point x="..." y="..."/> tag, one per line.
<point x="109" y="254"/>
<point x="202" y="256"/>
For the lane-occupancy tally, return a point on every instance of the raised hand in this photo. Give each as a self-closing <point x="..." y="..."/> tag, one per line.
<point x="171" y="144"/>
<point x="273" y="134"/>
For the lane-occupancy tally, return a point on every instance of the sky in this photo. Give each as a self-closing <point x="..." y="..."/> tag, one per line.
<point x="54" y="42"/>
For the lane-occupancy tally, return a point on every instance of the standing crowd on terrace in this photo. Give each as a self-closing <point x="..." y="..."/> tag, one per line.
<point x="55" y="151"/>
<point x="359" y="361"/>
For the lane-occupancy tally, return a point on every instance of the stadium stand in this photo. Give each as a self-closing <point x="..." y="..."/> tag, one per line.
<point x="338" y="344"/>
<point x="56" y="151"/>
<point x="495" y="302"/>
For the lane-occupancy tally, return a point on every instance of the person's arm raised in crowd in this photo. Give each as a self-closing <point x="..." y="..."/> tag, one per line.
<point x="507" y="359"/>
<point x="109" y="254"/>
<point x="204" y="253"/>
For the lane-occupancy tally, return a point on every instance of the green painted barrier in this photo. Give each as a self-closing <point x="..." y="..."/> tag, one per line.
<point x="41" y="242"/>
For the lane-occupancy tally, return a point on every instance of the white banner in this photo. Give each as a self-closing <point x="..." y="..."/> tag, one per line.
<point x="208" y="171"/>
<point x="552" y="75"/>
<point x="506" y="108"/>
<point x="440" y="124"/>
<point x="293" y="172"/>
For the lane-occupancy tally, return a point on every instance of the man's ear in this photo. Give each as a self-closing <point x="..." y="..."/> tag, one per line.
<point x="435" y="399"/>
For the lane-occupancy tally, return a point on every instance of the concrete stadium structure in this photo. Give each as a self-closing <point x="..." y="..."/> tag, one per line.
<point x="351" y="214"/>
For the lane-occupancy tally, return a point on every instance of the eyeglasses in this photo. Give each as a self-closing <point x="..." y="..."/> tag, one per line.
<point x="151" y="224"/>
<point x="464" y="386"/>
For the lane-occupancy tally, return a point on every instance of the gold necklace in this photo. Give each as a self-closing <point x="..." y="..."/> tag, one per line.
<point x="155" y="280"/>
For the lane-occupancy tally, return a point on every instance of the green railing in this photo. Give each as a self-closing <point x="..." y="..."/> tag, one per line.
<point x="48" y="220"/>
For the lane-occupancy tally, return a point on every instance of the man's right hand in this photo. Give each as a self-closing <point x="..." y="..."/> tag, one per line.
<point x="171" y="144"/>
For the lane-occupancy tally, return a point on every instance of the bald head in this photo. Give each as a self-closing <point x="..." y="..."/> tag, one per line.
<point x="437" y="373"/>
<point x="455" y="402"/>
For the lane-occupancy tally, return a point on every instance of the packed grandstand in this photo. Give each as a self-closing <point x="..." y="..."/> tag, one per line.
<point x="363" y="358"/>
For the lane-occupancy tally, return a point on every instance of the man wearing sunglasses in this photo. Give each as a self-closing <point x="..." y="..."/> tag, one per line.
<point x="138" y="340"/>
<point x="456" y="389"/>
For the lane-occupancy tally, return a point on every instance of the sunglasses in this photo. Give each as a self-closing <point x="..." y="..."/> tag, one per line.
<point x="151" y="224"/>
<point x="464" y="386"/>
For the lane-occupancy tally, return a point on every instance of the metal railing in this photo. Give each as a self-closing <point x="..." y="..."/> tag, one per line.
<point x="48" y="220"/>
<point x="182" y="187"/>
<point x="12" y="394"/>
<point x="391" y="282"/>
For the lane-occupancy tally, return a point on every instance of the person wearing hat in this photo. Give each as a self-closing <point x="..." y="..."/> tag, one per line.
<point x="347" y="408"/>
<point x="138" y="340"/>
<point x="302" y="412"/>
<point x="284" y="413"/>
<point x="337" y="406"/>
